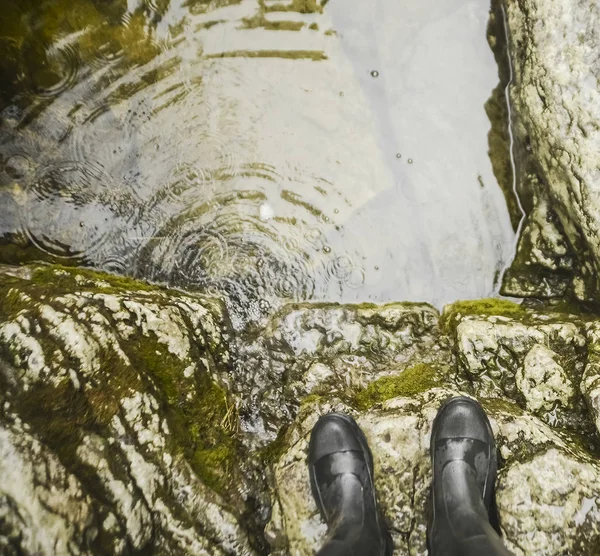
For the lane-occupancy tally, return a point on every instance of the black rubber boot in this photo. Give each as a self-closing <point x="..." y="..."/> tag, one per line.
<point x="464" y="465"/>
<point x="341" y="476"/>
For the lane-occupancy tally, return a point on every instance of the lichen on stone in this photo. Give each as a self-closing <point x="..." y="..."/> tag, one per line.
<point x="129" y="372"/>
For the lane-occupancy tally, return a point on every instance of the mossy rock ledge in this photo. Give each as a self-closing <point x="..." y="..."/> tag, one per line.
<point x="134" y="421"/>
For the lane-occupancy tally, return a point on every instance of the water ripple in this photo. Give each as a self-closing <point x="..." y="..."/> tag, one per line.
<point x="224" y="246"/>
<point x="58" y="72"/>
<point x="67" y="211"/>
<point x="16" y="168"/>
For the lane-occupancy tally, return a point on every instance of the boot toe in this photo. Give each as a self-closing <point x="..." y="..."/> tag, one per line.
<point x="333" y="433"/>
<point x="464" y="465"/>
<point x="462" y="417"/>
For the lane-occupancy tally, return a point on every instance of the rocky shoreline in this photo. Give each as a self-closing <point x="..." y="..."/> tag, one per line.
<point x="135" y="420"/>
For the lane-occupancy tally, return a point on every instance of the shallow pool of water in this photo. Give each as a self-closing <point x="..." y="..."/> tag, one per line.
<point x="271" y="151"/>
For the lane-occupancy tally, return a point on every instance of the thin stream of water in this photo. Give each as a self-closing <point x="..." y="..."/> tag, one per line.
<point x="511" y="146"/>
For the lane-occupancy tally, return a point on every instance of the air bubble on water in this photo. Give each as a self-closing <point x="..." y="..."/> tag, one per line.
<point x="266" y="212"/>
<point x="336" y="211"/>
<point x="326" y="249"/>
<point x="398" y="155"/>
<point x="376" y="267"/>
<point x="374" y="73"/>
<point x="410" y="161"/>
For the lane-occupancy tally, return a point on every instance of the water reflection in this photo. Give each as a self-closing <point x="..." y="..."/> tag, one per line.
<point x="273" y="151"/>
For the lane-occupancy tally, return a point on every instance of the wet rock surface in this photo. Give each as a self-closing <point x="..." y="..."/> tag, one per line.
<point x="127" y="417"/>
<point x="116" y="433"/>
<point x="535" y="359"/>
<point x="547" y="489"/>
<point x="556" y="102"/>
<point x="333" y="349"/>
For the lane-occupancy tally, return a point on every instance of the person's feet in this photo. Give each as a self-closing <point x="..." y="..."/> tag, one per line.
<point x="341" y="477"/>
<point x="464" y="467"/>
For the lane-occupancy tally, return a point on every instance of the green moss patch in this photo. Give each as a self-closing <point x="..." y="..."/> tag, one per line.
<point x="17" y="294"/>
<point x="499" y="405"/>
<point x="490" y="306"/>
<point x="310" y="399"/>
<point x="271" y="453"/>
<point x="300" y="6"/>
<point x="410" y="382"/>
<point x="259" y="20"/>
<point x="202" y="418"/>
<point x="10" y="299"/>
<point x="63" y="277"/>
<point x="560" y="310"/>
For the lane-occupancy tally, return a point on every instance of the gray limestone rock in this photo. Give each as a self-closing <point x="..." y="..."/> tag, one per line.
<point x="556" y="101"/>
<point x="544" y="264"/>
<point x="331" y="348"/>
<point x="541" y="499"/>
<point x="116" y="433"/>
<point x="43" y="508"/>
<point x="131" y="417"/>
<point x="547" y="488"/>
<point x="535" y="359"/>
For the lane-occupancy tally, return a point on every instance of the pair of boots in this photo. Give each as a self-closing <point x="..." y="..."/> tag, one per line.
<point x="463" y="454"/>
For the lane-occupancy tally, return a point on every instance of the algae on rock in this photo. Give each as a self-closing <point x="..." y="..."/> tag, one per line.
<point x="119" y="381"/>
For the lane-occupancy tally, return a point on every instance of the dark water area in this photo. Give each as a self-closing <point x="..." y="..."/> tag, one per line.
<point x="268" y="151"/>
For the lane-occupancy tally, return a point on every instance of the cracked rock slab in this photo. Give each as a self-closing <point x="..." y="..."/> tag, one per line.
<point x="536" y="360"/>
